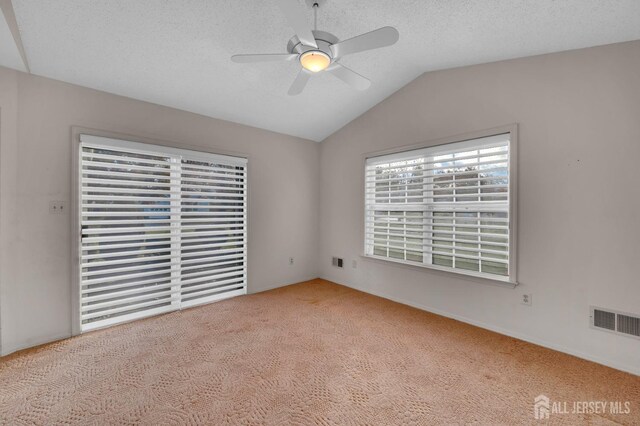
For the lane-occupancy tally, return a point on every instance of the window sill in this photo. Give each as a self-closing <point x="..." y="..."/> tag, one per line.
<point x="468" y="276"/>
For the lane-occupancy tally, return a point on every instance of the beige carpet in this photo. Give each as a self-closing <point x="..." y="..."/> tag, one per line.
<point x="312" y="353"/>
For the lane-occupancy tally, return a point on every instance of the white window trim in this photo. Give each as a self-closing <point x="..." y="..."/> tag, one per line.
<point x="196" y="151"/>
<point x="511" y="280"/>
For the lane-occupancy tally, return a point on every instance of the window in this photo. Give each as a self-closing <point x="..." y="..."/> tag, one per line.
<point x="445" y="207"/>
<point x="161" y="229"/>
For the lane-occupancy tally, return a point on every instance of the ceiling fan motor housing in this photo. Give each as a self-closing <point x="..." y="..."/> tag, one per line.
<point x="324" y="40"/>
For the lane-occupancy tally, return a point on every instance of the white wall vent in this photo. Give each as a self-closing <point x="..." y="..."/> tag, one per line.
<point x="629" y="325"/>
<point x="337" y="262"/>
<point x="604" y="319"/>
<point x="615" y="322"/>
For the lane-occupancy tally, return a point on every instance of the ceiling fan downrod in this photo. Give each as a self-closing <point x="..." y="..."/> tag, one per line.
<point x="315" y="15"/>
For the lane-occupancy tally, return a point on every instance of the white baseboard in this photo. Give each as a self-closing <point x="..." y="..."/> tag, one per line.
<point x="31" y="344"/>
<point x="633" y="369"/>
<point x="274" y="286"/>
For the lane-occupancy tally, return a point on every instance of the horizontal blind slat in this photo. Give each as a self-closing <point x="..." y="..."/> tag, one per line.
<point x="374" y="179"/>
<point x="461" y="233"/>
<point x="164" y="266"/>
<point x="130" y="298"/>
<point x="128" y="308"/>
<point x="237" y="271"/>
<point x="97" y="288"/>
<point x="209" y="291"/>
<point x="222" y="285"/>
<point x="89" y="156"/>
<point x="504" y="151"/>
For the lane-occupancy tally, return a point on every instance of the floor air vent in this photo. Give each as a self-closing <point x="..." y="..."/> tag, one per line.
<point x="616" y="322"/>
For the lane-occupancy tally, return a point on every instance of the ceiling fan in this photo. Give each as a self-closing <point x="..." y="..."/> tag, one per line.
<point x="318" y="51"/>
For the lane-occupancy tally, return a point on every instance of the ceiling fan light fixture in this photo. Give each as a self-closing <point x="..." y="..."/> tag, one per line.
<point x="315" y="60"/>
<point x="318" y="51"/>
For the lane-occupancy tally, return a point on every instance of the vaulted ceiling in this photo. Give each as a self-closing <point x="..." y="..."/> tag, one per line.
<point x="176" y="52"/>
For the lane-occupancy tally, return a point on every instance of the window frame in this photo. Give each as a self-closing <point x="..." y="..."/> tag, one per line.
<point x="76" y="234"/>
<point x="510" y="280"/>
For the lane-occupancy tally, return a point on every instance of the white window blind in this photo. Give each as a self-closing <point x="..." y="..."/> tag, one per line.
<point x="162" y="229"/>
<point x="445" y="207"/>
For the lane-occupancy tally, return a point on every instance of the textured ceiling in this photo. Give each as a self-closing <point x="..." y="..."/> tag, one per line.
<point x="176" y="52"/>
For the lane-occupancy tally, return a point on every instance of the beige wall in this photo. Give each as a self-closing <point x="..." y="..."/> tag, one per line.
<point x="579" y="198"/>
<point x="35" y="168"/>
<point x="579" y="139"/>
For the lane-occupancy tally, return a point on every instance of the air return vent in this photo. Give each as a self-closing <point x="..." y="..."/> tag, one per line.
<point x="629" y="325"/>
<point x="604" y="319"/>
<point x="616" y="322"/>
<point x="337" y="262"/>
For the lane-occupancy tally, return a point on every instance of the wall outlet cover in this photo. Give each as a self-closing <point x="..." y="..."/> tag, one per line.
<point x="57" y="207"/>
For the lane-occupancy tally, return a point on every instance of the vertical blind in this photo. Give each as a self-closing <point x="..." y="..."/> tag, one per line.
<point x="446" y="207"/>
<point x="161" y="229"/>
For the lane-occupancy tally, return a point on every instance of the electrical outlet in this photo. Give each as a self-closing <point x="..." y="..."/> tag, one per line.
<point x="354" y="263"/>
<point x="526" y="299"/>
<point x="57" y="207"/>
<point x="291" y="261"/>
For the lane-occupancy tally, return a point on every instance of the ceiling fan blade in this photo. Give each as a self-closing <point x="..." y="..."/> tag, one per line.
<point x="264" y="57"/>
<point x="296" y="15"/>
<point x="299" y="83"/>
<point x="349" y="76"/>
<point x="382" y="37"/>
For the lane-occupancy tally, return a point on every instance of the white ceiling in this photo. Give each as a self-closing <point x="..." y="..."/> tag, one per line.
<point x="176" y="52"/>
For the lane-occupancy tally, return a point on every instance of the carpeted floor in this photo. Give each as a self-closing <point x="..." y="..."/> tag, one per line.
<point x="313" y="353"/>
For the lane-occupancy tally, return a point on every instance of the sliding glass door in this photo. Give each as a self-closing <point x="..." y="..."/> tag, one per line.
<point x="161" y="229"/>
